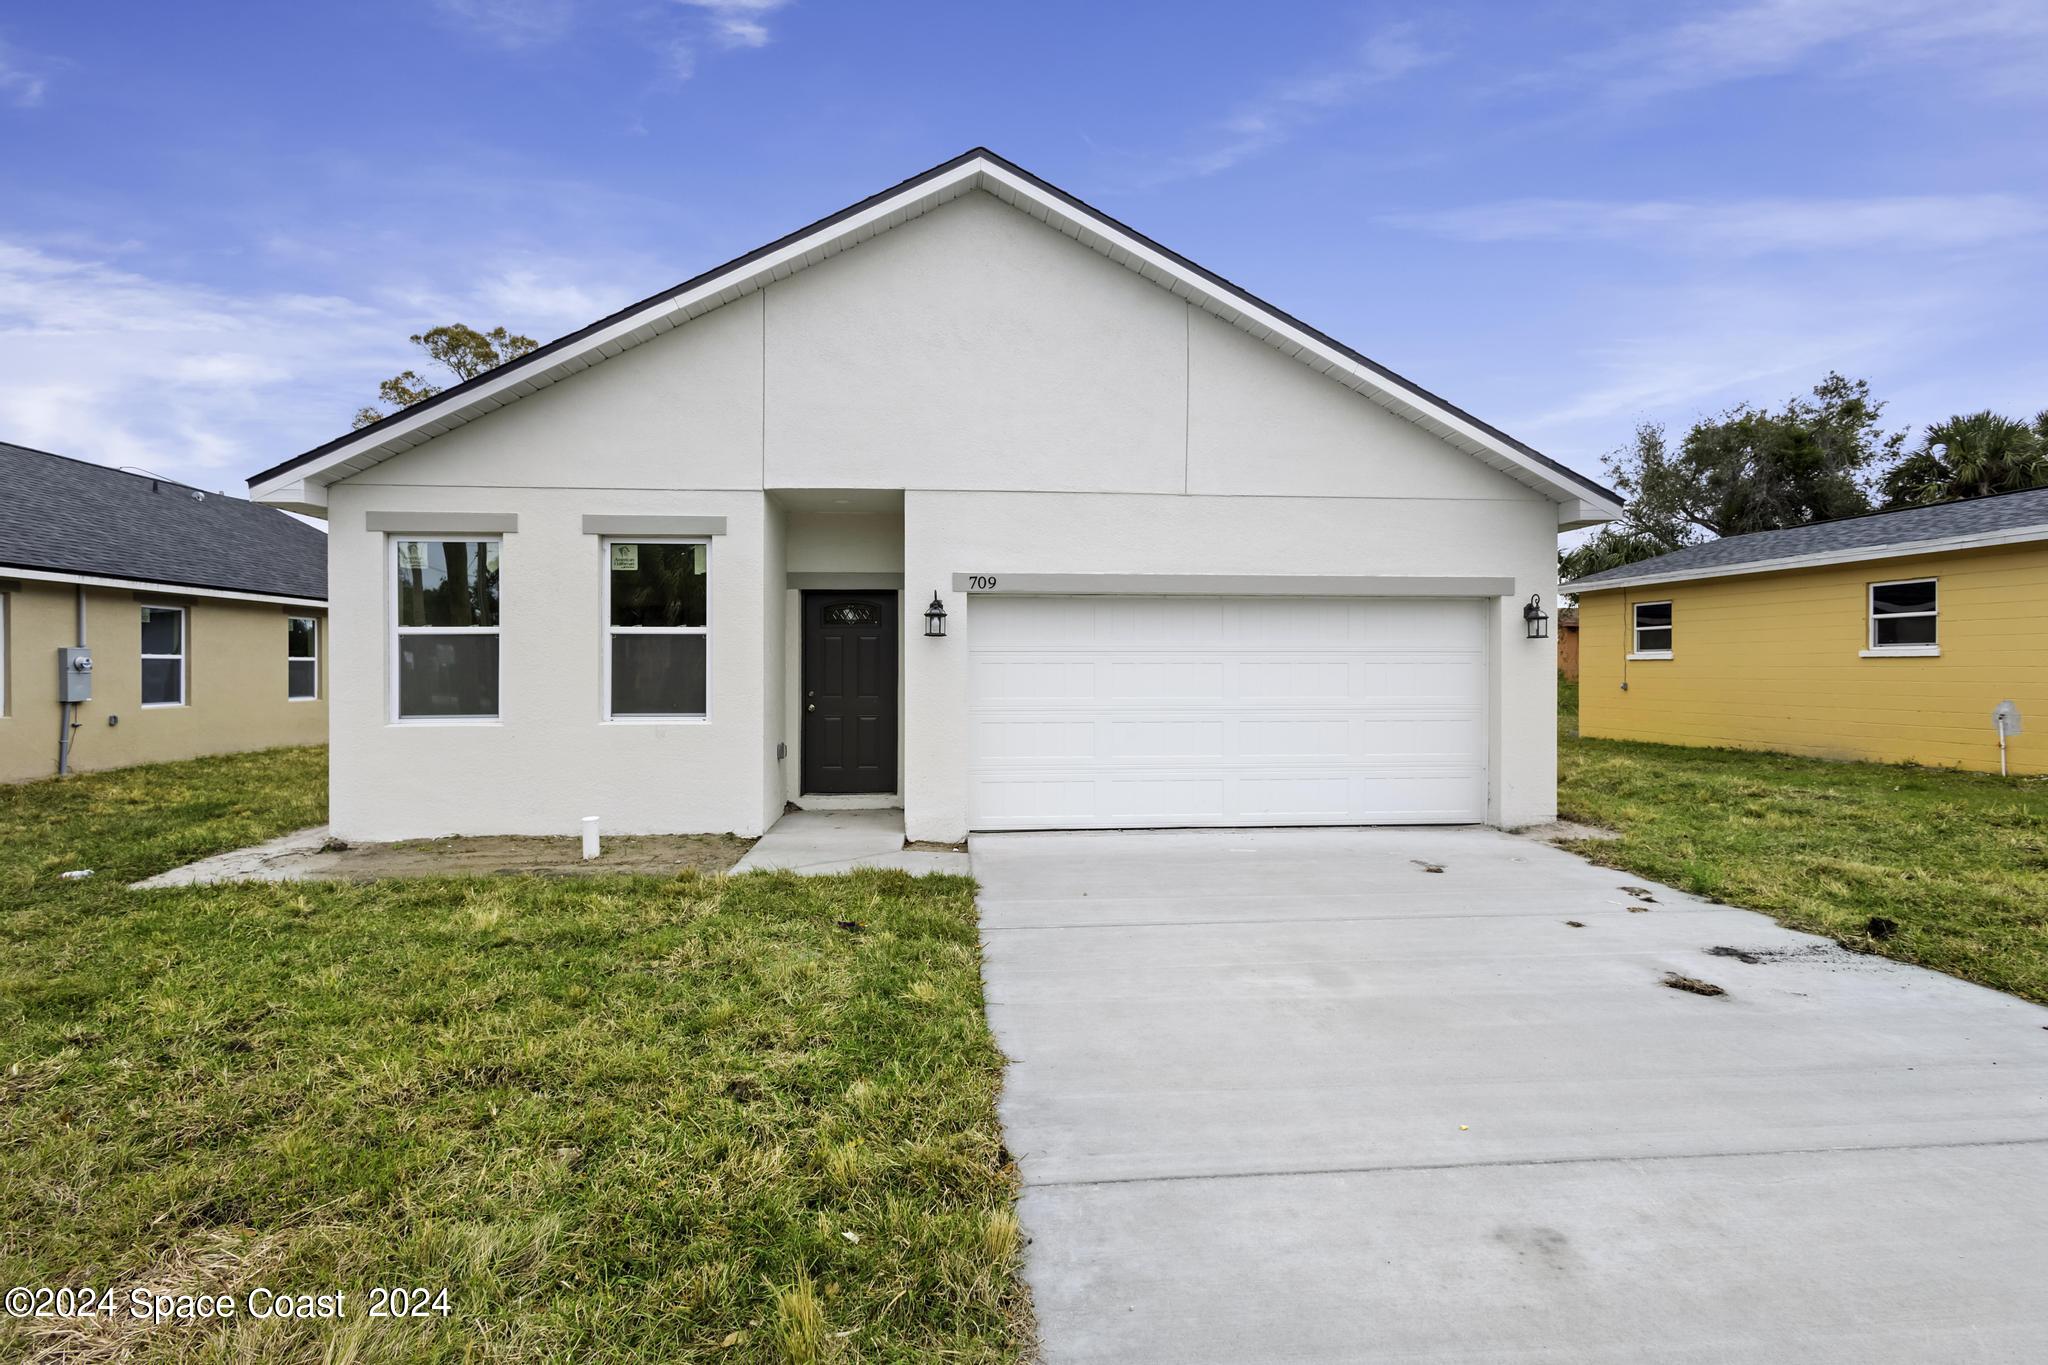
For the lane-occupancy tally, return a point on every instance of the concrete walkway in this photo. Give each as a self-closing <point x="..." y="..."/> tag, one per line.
<point x="817" y="842"/>
<point x="293" y="857"/>
<point x="1288" y="1095"/>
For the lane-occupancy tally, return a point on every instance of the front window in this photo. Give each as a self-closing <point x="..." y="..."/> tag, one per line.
<point x="446" y="614"/>
<point x="163" y="656"/>
<point x="301" y="658"/>
<point x="656" y="628"/>
<point x="1903" y="615"/>
<point x="1653" y="629"/>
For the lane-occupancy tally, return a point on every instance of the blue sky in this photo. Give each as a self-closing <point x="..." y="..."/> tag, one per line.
<point x="218" y="223"/>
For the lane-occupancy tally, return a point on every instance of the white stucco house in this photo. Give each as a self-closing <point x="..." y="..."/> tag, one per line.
<point x="1199" y="564"/>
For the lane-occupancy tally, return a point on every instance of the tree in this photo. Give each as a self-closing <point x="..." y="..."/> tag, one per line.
<point x="461" y="350"/>
<point x="1744" y="470"/>
<point x="1971" y="457"/>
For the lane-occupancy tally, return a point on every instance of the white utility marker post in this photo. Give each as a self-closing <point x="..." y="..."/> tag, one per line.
<point x="2006" y="716"/>
<point x="589" y="837"/>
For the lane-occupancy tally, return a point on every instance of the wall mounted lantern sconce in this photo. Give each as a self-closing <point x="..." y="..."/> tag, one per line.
<point x="1533" y="617"/>
<point x="935" y="619"/>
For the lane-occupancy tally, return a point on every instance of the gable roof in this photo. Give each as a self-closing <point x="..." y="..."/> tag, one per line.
<point x="295" y="481"/>
<point x="72" y="519"/>
<point x="2002" y="519"/>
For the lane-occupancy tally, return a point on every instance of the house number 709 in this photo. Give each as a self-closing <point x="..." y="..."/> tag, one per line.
<point x="980" y="582"/>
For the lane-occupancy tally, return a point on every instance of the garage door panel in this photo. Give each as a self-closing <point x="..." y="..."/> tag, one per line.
<point x="1413" y="624"/>
<point x="1000" y="678"/>
<point x="1297" y="796"/>
<point x="1172" y="679"/>
<point x="1011" y="738"/>
<point x="1167" y="737"/>
<point x="1158" y="799"/>
<point x="1286" y="622"/>
<point x="1421" y="800"/>
<point x="1166" y="623"/>
<point x="1021" y="802"/>
<point x="1110" y="712"/>
<point x="1448" y="682"/>
<point x="1411" y="737"/>
<point x="1295" y="737"/>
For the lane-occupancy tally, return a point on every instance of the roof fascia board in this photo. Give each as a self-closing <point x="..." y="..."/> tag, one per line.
<point x="292" y="483"/>
<point x="155" y="585"/>
<point x="2018" y="535"/>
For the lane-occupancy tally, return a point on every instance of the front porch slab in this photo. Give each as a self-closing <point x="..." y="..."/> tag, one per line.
<point x="817" y="842"/>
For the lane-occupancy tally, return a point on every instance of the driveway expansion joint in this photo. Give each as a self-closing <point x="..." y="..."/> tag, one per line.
<point x="1410" y="1168"/>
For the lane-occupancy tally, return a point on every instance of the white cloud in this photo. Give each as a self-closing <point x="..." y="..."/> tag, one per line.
<point x="1672" y="354"/>
<point x="110" y="364"/>
<point x="674" y="42"/>
<point x="23" y="81"/>
<point x="2002" y="39"/>
<point x="738" y="23"/>
<point x="1293" y="105"/>
<point x="1749" y="226"/>
<point x="513" y="23"/>
<point x="682" y="60"/>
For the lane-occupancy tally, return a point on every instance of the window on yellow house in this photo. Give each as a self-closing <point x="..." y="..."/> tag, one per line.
<point x="1903" y="617"/>
<point x="1652" y="631"/>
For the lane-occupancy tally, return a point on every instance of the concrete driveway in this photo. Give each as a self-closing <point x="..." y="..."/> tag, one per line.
<point x="1287" y="1095"/>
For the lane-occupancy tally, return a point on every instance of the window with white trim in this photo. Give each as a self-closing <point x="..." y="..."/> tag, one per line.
<point x="1903" y="616"/>
<point x="445" y="624"/>
<point x="657" y="629"/>
<point x="302" y="658"/>
<point x="163" y="656"/>
<point x="1652" y="626"/>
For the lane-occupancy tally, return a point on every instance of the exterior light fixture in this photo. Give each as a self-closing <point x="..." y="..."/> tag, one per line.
<point x="1533" y="618"/>
<point x="935" y="619"/>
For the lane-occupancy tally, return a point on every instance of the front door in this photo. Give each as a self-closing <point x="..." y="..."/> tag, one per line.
<point x="849" y="692"/>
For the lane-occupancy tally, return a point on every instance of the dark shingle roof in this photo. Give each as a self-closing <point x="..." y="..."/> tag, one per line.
<point x="71" y="516"/>
<point x="1758" y="551"/>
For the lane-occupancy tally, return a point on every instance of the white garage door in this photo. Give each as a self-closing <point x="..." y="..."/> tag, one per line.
<point x="1117" y="712"/>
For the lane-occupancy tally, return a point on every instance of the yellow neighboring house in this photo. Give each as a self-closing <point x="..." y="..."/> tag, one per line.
<point x="1893" y="637"/>
<point x="143" y="620"/>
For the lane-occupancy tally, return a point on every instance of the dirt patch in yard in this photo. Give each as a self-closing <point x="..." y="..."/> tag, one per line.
<point x="504" y="854"/>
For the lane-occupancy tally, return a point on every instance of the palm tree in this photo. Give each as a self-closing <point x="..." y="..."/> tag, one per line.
<point x="1971" y="457"/>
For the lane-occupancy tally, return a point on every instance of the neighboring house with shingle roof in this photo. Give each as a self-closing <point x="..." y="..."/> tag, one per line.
<point x="1892" y="636"/>
<point x="203" y="616"/>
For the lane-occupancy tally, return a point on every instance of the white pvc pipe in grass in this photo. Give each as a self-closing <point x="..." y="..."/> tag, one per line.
<point x="589" y="837"/>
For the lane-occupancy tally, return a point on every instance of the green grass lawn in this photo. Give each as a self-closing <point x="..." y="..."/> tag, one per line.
<point x="616" y="1118"/>
<point x="1958" y="860"/>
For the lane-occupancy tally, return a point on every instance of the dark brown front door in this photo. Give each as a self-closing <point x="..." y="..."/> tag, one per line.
<point x="849" y="692"/>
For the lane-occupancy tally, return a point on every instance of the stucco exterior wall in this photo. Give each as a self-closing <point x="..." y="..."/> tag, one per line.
<point x="860" y="543"/>
<point x="235" y="681"/>
<point x="1043" y="409"/>
<point x="551" y="757"/>
<point x="974" y="348"/>
<point x="1772" y="661"/>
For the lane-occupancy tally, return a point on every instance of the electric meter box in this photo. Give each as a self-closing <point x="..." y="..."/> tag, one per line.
<point x="74" y="673"/>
